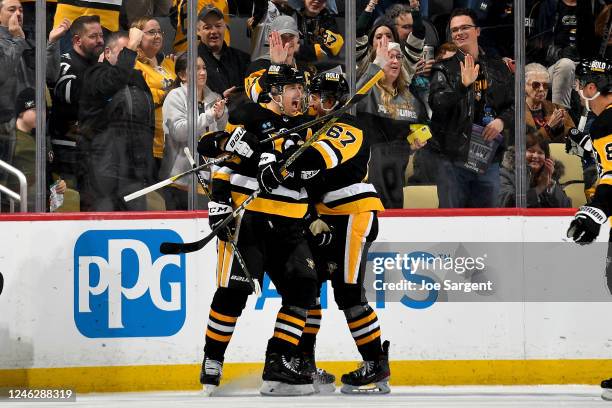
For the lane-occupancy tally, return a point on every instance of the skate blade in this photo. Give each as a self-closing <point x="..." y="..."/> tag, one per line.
<point x="324" y="388"/>
<point x="281" y="389"/>
<point x="208" y="390"/>
<point x="606" y="394"/>
<point x="380" y="387"/>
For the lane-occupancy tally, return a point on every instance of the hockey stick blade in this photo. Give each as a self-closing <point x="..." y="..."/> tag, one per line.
<point x="174" y="248"/>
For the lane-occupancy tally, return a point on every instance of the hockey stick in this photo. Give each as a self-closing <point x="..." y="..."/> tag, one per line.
<point x="227" y="156"/>
<point x="253" y="282"/>
<point x="162" y="183"/>
<point x="176" y="248"/>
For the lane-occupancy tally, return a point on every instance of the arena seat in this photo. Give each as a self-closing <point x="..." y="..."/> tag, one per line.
<point x="155" y="202"/>
<point x="421" y="197"/>
<point x="573" y="165"/>
<point x="575" y="191"/>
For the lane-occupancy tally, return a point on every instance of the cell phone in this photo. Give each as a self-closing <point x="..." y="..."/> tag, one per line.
<point x="419" y="131"/>
<point x="428" y="52"/>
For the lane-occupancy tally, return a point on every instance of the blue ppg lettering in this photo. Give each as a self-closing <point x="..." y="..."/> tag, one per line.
<point x="409" y="275"/>
<point x="124" y="287"/>
<point x="268" y="292"/>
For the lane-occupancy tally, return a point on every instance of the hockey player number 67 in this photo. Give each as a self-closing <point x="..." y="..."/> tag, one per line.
<point x="344" y="135"/>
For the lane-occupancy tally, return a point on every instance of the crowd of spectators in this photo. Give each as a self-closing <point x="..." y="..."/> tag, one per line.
<point x="116" y="86"/>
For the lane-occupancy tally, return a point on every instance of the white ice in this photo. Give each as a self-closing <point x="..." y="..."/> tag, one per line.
<point x="412" y="397"/>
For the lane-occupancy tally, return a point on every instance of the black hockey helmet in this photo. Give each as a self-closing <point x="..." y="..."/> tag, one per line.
<point x="328" y="84"/>
<point x="280" y="75"/>
<point x="277" y="77"/>
<point x="597" y="71"/>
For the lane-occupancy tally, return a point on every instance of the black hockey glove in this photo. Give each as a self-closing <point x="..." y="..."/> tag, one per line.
<point x="268" y="175"/>
<point x="320" y="234"/>
<point x="209" y="145"/>
<point x="585" y="226"/>
<point x="577" y="138"/>
<point x="217" y="212"/>
<point x="242" y="143"/>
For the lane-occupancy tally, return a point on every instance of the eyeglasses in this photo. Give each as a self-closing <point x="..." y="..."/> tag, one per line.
<point x="463" y="28"/>
<point x="398" y="57"/>
<point x="153" y="33"/>
<point x="535" y="85"/>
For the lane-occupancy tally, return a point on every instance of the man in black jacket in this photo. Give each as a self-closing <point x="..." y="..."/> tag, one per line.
<point x="472" y="100"/>
<point x="117" y="127"/>
<point x="87" y="45"/>
<point x="226" y="66"/>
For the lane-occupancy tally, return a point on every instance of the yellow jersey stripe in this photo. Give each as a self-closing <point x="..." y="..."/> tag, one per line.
<point x="368" y="339"/>
<point x="223" y="318"/>
<point x="215" y="336"/>
<point x="291" y="319"/>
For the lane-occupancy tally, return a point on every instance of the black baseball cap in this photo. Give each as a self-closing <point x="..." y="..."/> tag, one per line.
<point x="208" y="10"/>
<point x="25" y="100"/>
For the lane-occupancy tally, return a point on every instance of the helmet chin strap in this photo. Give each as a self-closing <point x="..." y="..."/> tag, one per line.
<point x="279" y="104"/>
<point x="583" y="118"/>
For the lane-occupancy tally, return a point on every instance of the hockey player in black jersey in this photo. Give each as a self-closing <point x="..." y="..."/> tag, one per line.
<point x="595" y="77"/>
<point x="269" y="235"/>
<point x="335" y="171"/>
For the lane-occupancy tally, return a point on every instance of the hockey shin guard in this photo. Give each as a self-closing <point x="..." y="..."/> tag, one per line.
<point x="290" y="323"/>
<point x="313" y="324"/>
<point x="364" y="327"/>
<point x="225" y="309"/>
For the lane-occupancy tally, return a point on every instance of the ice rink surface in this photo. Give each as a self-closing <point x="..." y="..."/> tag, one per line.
<point x="412" y="397"/>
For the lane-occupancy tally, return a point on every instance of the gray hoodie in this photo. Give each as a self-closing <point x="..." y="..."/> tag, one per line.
<point x="175" y="128"/>
<point x="17" y="69"/>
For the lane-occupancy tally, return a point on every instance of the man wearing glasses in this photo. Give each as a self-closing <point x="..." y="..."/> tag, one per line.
<point x="472" y="100"/>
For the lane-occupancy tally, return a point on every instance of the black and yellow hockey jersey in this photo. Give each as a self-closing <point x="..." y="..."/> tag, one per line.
<point x="240" y="176"/>
<point x="335" y="169"/>
<point x="601" y="137"/>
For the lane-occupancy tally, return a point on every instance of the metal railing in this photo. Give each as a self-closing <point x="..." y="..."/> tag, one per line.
<point x="22" y="197"/>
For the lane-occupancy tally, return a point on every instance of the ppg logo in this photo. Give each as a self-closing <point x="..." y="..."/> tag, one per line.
<point x="124" y="287"/>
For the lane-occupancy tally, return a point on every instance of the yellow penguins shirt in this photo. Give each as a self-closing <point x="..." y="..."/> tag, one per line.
<point x="108" y="10"/>
<point x="160" y="80"/>
<point x="288" y="200"/>
<point x="601" y="137"/>
<point x="178" y="18"/>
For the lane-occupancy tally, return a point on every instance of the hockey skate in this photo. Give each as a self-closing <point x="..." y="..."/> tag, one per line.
<point x="322" y="381"/>
<point x="372" y="377"/>
<point x="210" y="375"/>
<point x="282" y="378"/>
<point x="606" y="389"/>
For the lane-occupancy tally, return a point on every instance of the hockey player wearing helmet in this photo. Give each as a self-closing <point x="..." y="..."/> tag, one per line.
<point x="595" y="78"/>
<point x="269" y="234"/>
<point x="334" y="170"/>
